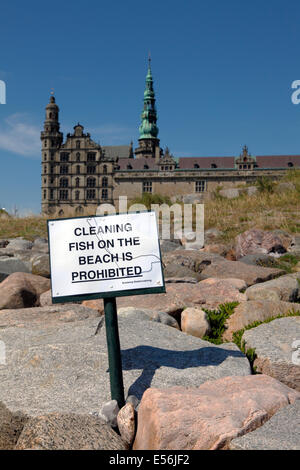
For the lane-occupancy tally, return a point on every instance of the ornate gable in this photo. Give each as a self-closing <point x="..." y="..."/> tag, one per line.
<point x="245" y="161"/>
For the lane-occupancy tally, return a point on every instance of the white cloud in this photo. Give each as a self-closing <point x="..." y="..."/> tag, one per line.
<point x="18" y="135"/>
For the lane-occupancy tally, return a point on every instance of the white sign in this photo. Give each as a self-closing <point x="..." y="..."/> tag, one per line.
<point x="104" y="256"/>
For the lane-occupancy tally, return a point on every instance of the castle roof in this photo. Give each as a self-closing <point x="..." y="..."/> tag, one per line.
<point x="113" y="151"/>
<point x="262" y="161"/>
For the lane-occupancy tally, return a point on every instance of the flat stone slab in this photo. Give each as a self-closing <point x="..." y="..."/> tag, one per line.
<point x="9" y="265"/>
<point x="274" y="345"/>
<point x="256" y="311"/>
<point x="284" y="288"/>
<point x="63" y="367"/>
<point x="215" y="266"/>
<point x="281" y="432"/>
<point x="57" y="431"/>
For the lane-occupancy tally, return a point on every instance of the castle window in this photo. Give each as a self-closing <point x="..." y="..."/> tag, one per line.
<point x="104" y="169"/>
<point x="45" y="193"/>
<point x="78" y="144"/>
<point x="91" y="182"/>
<point x="146" y="167"/>
<point x="52" y="156"/>
<point x="77" y="181"/>
<point x="45" y="169"/>
<point x="64" y="169"/>
<point x="64" y="157"/>
<point x="104" y="194"/>
<point x="77" y="169"/>
<point x="147" y="187"/>
<point x="91" y="157"/>
<point x="200" y="186"/>
<point x="91" y="169"/>
<point x="213" y="165"/>
<point x="52" y="169"/>
<point x="77" y="195"/>
<point x="240" y="167"/>
<point x="50" y="115"/>
<point x="244" y="167"/>
<point x="52" y="143"/>
<point x="45" y="143"/>
<point x="78" y="157"/>
<point x="51" y="194"/>
<point x="129" y="167"/>
<point x="290" y="164"/>
<point x="45" y="156"/>
<point x="90" y="193"/>
<point x="196" y="165"/>
<point x="63" y="194"/>
<point x="64" y="183"/>
<point x="104" y="182"/>
<point x="52" y="180"/>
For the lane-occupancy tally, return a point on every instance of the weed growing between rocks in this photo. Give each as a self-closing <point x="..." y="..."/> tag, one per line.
<point x="250" y="352"/>
<point x="217" y="319"/>
<point x="286" y="262"/>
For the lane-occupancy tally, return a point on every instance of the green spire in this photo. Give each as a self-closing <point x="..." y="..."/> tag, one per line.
<point x="148" y="128"/>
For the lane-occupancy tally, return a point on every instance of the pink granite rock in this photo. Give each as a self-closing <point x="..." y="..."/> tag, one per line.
<point x="126" y="423"/>
<point x="20" y="290"/>
<point x="210" y="416"/>
<point x="194" y="322"/>
<point x="258" y="241"/>
<point x="256" y="310"/>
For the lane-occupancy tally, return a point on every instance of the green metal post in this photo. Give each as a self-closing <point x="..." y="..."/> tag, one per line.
<point x="114" y="352"/>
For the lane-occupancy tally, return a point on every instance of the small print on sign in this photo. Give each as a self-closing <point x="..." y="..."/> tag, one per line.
<point x="104" y="255"/>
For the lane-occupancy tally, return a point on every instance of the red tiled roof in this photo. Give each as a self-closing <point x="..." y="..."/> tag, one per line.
<point x="277" y="161"/>
<point x="186" y="163"/>
<point x="137" y="163"/>
<point x="263" y="161"/>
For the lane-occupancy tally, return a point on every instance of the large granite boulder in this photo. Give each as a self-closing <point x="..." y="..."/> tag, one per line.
<point x="19" y="244"/>
<point x="9" y="265"/>
<point x="252" y="311"/>
<point x="11" y="426"/>
<point x="286" y="288"/>
<point x="274" y="344"/>
<point x="255" y="241"/>
<point x="281" y="432"/>
<point x="46" y="317"/>
<point x="211" y="265"/>
<point x="22" y="290"/>
<point x="68" y="431"/>
<point x="62" y="365"/>
<point x="206" y="294"/>
<point x="41" y="265"/>
<point x="210" y="416"/>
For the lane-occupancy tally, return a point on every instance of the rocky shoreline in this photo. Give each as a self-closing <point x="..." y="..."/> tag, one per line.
<point x="211" y="364"/>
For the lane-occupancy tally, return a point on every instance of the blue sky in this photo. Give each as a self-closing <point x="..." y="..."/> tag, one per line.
<point x="222" y="73"/>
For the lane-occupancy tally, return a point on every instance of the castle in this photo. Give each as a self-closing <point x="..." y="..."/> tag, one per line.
<point x="82" y="174"/>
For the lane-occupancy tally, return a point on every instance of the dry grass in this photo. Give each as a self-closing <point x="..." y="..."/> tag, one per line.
<point x="265" y="210"/>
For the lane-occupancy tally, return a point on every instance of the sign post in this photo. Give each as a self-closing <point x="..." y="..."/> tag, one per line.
<point x="106" y="257"/>
<point x="114" y="351"/>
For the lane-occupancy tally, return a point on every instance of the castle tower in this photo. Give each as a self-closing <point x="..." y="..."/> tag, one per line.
<point x="51" y="139"/>
<point x="148" y="141"/>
